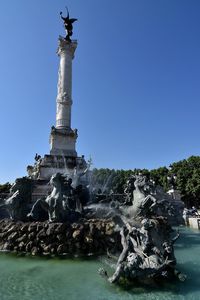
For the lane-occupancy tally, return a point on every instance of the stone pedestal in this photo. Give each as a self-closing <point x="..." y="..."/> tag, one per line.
<point x="63" y="142"/>
<point x="51" y="164"/>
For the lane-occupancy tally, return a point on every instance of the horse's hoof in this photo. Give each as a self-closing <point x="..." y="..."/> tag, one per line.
<point x="30" y="216"/>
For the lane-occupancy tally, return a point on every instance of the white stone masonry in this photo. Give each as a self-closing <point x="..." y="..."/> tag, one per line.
<point x="62" y="137"/>
<point x="66" y="52"/>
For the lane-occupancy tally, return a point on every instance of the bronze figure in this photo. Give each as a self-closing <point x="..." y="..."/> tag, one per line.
<point x="68" y="23"/>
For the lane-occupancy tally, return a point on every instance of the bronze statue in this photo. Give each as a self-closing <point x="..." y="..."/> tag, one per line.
<point x="68" y="25"/>
<point x="19" y="199"/>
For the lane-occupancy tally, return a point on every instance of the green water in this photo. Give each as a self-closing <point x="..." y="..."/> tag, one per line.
<point x="54" y="279"/>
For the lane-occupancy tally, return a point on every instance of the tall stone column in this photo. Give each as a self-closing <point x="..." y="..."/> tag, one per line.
<point x="63" y="138"/>
<point x="66" y="52"/>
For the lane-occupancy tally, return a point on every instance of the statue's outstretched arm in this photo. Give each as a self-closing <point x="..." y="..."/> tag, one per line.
<point x="62" y="16"/>
<point x="176" y="237"/>
<point x="119" y="269"/>
<point x="115" y="277"/>
<point x="125" y="246"/>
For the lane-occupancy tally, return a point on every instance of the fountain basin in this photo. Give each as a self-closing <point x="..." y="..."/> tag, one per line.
<point x="86" y="237"/>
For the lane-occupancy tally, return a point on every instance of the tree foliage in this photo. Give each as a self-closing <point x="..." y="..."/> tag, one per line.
<point x="4" y="188"/>
<point x="187" y="181"/>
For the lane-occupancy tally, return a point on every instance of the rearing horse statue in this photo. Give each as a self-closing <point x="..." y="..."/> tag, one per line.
<point x="143" y="202"/>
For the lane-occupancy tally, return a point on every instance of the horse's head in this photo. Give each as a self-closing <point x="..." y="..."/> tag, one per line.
<point x="20" y="184"/>
<point x="56" y="179"/>
<point x="140" y="181"/>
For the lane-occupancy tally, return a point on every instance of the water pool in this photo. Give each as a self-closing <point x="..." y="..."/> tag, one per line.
<point x="26" y="278"/>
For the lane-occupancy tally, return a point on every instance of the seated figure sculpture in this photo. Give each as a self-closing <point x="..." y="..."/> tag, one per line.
<point x="141" y="257"/>
<point x="53" y="203"/>
<point x="131" y="263"/>
<point x="17" y="203"/>
<point x="64" y="203"/>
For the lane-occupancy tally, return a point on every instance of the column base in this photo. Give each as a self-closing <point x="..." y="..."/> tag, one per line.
<point x="51" y="164"/>
<point x="63" y="142"/>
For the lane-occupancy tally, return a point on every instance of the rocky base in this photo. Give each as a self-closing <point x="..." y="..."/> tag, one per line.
<point x="87" y="237"/>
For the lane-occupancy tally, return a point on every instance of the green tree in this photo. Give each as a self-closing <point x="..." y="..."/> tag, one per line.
<point x="187" y="181"/>
<point x="4" y="188"/>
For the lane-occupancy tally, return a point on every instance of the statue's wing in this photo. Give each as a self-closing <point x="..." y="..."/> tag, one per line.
<point x="73" y="20"/>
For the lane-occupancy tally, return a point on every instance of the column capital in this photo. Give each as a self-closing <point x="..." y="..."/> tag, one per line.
<point x="65" y="46"/>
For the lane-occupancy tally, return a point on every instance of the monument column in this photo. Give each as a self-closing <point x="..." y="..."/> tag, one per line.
<point x="66" y="50"/>
<point x="63" y="156"/>
<point x="63" y="138"/>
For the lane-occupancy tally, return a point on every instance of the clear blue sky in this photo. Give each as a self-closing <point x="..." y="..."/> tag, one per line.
<point x="136" y="81"/>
